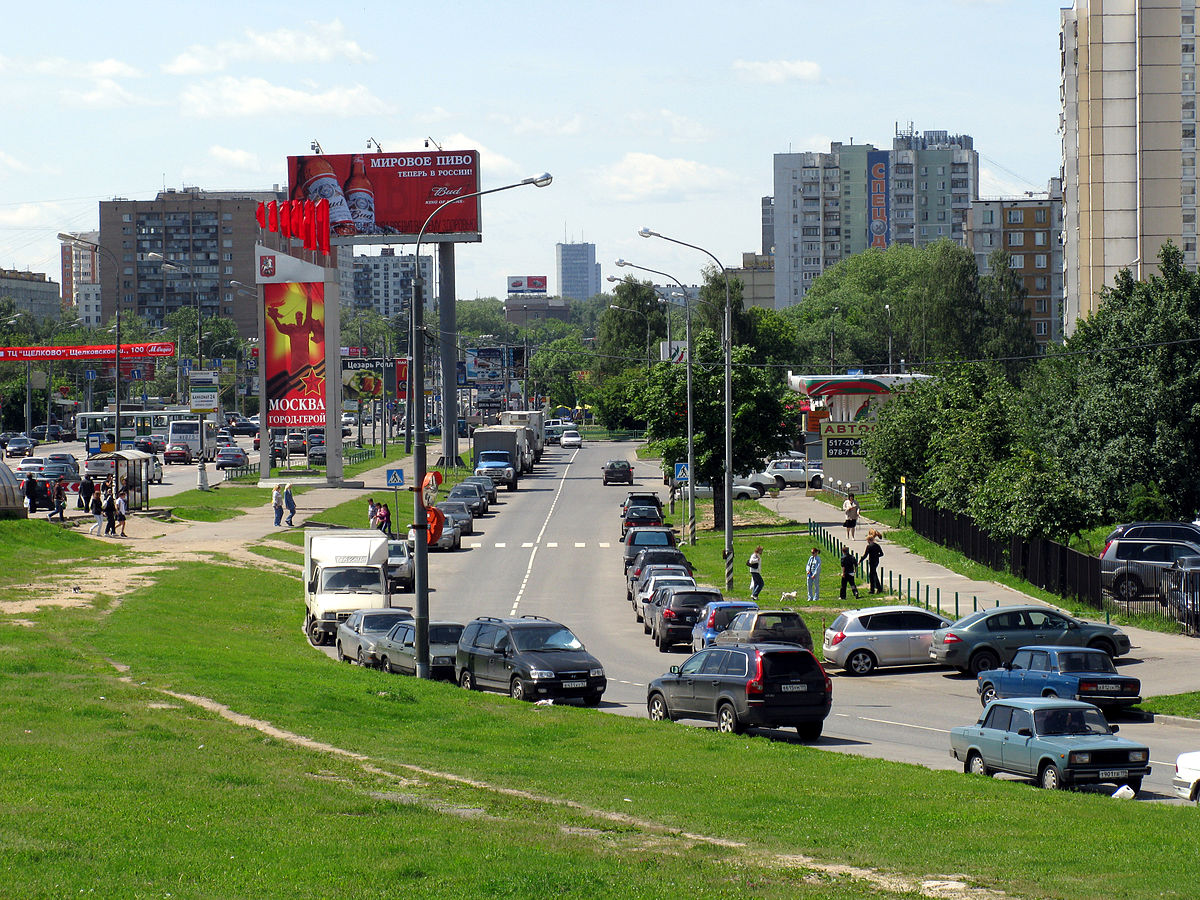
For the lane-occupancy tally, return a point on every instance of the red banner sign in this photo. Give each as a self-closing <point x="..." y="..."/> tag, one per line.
<point x="33" y="354"/>
<point x="390" y="193"/>
<point x="295" y="354"/>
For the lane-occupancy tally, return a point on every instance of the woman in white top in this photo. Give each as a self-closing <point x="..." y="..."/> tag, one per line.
<point x="756" y="579"/>
<point x="850" y="508"/>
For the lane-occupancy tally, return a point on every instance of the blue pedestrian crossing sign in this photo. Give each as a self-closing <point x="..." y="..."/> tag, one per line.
<point x="395" y="478"/>
<point x="681" y="471"/>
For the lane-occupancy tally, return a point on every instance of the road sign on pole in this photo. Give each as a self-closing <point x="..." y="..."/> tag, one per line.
<point x="681" y="471"/>
<point x="395" y="478"/>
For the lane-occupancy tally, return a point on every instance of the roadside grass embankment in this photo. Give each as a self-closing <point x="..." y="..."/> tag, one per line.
<point x="140" y="790"/>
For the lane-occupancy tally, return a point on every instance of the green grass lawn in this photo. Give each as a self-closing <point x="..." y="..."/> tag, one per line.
<point x="139" y="794"/>
<point x="1186" y="705"/>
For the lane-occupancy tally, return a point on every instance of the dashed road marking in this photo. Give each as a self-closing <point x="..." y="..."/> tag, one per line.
<point x="533" y="553"/>
<point x="605" y="545"/>
<point x="579" y="544"/>
<point x="475" y="545"/>
<point x="527" y="545"/>
<point x="501" y="545"/>
<point x="552" y="544"/>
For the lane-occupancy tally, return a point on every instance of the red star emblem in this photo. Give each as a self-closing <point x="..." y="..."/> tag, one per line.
<point x="313" y="383"/>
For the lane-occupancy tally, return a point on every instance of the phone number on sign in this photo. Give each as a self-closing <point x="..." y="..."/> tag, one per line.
<point x="841" y="448"/>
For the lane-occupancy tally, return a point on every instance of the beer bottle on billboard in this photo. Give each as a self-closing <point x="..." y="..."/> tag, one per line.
<point x="317" y="181"/>
<point x="360" y="196"/>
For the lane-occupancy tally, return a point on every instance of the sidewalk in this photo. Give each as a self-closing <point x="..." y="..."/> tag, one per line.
<point x="1174" y="654"/>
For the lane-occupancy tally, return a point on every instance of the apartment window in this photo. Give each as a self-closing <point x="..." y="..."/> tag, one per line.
<point x="1017" y="261"/>
<point x="941" y="170"/>
<point x="924" y="184"/>
<point x="987" y="240"/>
<point x="1189" y="131"/>
<point x="127" y="217"/>
<point x="924" y="230"/>
<point x="1040" y="283"/>
<point x="924" y="170"/>
<point x="1041" y="329"/>
<point x="1041" y="238"/>
<point x="1039" y="216"/>
<point x="1039" y="305"/>
<point x="941" y="216"/>
<point x="941" y="229"/>
<point x="1016" y="239"/>
<point x="924" y="215"/>
<point x="1040" y="261"/>
<point x="989" y="217"/>
<point x="1015" y="217"/>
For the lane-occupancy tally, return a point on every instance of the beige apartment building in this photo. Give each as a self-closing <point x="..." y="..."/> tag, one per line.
<point x="1128" y="125"/>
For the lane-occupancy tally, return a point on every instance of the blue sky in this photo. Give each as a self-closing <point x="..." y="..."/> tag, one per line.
<point x="663" y="114"/>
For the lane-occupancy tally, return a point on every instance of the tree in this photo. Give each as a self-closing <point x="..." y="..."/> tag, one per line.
<point x="622" y="333"/>
<point x="760" y="427"/>
<point x="484" y="316"/>
<point x="561" y="370"/>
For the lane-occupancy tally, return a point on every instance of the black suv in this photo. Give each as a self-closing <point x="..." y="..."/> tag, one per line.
<point x="768" y="685"/>
<point x="530" y="658"/>
<point x="641" y="498"/>
<point x="1155" y="531"/>
<point x="618" y="471"/>
<point x="674" y="611"/>
<point x="665" y="556"/>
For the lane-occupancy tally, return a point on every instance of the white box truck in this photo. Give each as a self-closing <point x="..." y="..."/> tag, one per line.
<point x="344" y="570"/>
<point x="533" y="418"/>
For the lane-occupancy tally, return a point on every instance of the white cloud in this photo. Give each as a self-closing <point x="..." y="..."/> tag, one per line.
<point x="253" y="97"/>
<point x="235" y="159"/>
<point x="70" y="68"/>
<point x="644" y="176"/>
<point x="685" y="130"/>
<point x="25" y="214"/>
<point x="103" y="94"/>
<point x="996" y="184"/>
<point x="556" y="127"/>
<point x="10" y="164"/>
<point x="318" y="43"/>
<point x="777" y="71"/>
<point x="433" y="116"/>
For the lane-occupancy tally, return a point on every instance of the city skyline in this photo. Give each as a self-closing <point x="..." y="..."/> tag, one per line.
<point x="680" y="140"/>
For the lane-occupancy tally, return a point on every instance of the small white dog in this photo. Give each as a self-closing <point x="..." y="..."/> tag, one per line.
<point x="787" y="595"/>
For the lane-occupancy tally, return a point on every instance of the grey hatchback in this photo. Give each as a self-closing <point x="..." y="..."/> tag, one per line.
<point x="861" y="640"/>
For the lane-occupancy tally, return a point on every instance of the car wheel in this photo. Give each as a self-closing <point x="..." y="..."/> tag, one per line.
<point x="1105" y="645"/>
<point x="860" y="662"/>
<point x="656" y="706"/>
<point x="780" y="484"/>
<point x="663" y="644"/>
<point x="975" y="765"/>
<point x="386" y="665"/>
<point x="1127" y="588"/>
<point x="816" y="482"/>
<point x="727" y="720"/>
<point x="467" y="681"/>
<point x="988" y="694"/>
<point x="342" y="657"/>
<point x="516" y="689"/>
<point x="810" y="731"/>
<point x="592" y="699"/>
<point x="984" y="660"/>
<point x="362" y="658"/>
<point x="645" y="626"/>
<point x="1050" y="777"/>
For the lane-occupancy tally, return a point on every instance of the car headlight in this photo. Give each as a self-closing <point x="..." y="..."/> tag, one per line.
<point x="1080" y="758"/>
<point x="480" y="472"/>
<point x="540" y="674"/>
<point x="443" y="660"/>
<point x="1138" y="756"/>
<point x="597" y="672"/>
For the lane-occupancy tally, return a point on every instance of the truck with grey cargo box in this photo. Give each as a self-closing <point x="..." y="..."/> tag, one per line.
<point x="344" y="569"/>
<point x="498" y="454"/>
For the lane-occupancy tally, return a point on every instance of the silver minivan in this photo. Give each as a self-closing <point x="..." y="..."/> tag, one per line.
<point x="862" y="640"/>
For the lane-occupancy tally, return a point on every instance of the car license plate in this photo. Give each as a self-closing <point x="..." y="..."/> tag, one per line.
<point x="574" y="684"/>
<point x="793" y="687"/>
<point x="1114" y="773"/>
<point x="1108" y="687"/>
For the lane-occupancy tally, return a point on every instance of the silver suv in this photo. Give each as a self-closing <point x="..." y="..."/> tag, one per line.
<point x="861" y="640"/>
<point x="1133" y="568"/>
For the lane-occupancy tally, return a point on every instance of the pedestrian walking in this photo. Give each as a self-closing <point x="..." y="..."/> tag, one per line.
<point x="756" y="579"/>
<point x="873" y="554"/>
<point x="60" y="501"/>
<point x="372" y="513"/>
<point x="849" y="566"/>
<point x="813" y="570"/>
<point x="277" y="504"/>
<point x="30" y="493"/>
<point x="122" y="510"/>
<point x="87" y="489"/>
<point x="110" y="514"/>
<point x="383" y="519"/>
<point x="850" y="508"/>
<point x="289" y="503"/>
<point x="96" y="508"/>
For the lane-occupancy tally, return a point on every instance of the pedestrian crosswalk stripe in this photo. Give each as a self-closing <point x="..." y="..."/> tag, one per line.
<point x="552" y="544"/>
<point x="527" y="544"/>
<point x="580" y="545"/>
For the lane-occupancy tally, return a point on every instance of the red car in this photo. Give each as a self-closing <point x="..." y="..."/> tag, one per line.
<point x="178" y="453"/>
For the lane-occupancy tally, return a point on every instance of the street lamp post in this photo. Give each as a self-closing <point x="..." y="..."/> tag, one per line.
<point x="81" y="242"/>
<point x="832" y="325"/>
<point x="728" y="342"/>
<point x="888" y="307"/>
<point x="645" y="316"/>
<point x="416" y="416"/>
<point x="691" y="442"/>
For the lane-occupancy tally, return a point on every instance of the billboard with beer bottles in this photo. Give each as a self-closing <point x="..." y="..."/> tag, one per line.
<point x="385" y="198"/>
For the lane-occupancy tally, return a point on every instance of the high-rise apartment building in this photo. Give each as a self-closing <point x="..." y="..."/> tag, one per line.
<point x="81" y="278"/>
<point x="578" y="271"/>
<point x="32" y="293"/>
<point x="1128" y="93"/>
<point x="1030" y="229"/>
<point x="768" y="226"/>
<point x="383" y="282"/>
<point x="828" y="206"/>
<point x="209" y="235"/>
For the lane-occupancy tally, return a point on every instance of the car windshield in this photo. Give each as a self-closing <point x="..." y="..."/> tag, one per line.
<point x="350" y="579"/>
<point x="383" y="622"/>
<point x="397" y="548"/>
<point x="652" y="539"/>
<point x="445" y="634"/>
<point x="1085" y="662"/>
<point x="545" y="637"/>
<point x="1077" y="720"/>
<point x="643" y="512"/>
<point x="617" y="464"/>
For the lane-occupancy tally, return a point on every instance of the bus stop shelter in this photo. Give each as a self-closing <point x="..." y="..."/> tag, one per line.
<point x="132" y="468"/>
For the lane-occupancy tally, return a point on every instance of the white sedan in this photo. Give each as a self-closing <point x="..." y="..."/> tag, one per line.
<point x="1187" y="775"/>
<point x="571" y="439"/>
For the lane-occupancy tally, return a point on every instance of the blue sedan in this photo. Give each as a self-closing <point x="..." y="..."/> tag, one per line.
<point x="1057" y="742"/>
<point x="714" y="618"/>
<point x="1075" y="673"/>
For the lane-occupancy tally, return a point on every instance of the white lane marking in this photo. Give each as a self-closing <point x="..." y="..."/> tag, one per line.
<point x="579" y="544"/>
<point x="475" y="545"/>
<point x="633" y="683"/>
<point x="537" y="540"/>
<point x="605" y="545"/>
<point x="905" y="725"/>
<point x="552" y="544"/>
<point x="527" y="545"/>
<point x="501" y="545"/>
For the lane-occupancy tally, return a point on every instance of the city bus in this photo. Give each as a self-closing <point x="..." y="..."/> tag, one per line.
<point x="135" y="423"/>
<point x="187" y="432"/>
